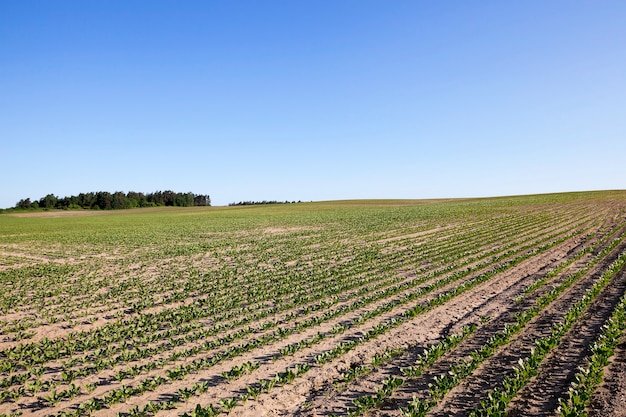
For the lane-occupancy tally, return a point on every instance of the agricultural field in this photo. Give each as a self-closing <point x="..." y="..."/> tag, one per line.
<point x="480" y="307"/>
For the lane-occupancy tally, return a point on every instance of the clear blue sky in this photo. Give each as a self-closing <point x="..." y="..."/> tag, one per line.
<point x="312" y="100"/>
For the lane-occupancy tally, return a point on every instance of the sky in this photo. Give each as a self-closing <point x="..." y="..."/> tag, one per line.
<point x="311" y="100"/>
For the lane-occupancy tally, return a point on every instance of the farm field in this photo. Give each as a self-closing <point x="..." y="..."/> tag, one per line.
<point x="504" y="306"/>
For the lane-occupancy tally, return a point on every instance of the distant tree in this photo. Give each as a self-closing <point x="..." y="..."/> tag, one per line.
<point x="24" y="204"/>
<point x="202" y="200"/>
<point x="183" y="199"/>
<point x="137" y="199"/>
<point x="156" y="198"/>
<point x="63" y="203"/>
<point x="118" y="200"/>
<point x="131" y="203"/>
<point x="169" y="197"/>
<point x="74" y="202"/>
<point x="86" y="200"/>
<point x="48" y="202"/>
<point x="104" y="200"/>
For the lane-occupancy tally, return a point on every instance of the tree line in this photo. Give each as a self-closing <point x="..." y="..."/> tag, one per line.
<point x="104" y="200"/>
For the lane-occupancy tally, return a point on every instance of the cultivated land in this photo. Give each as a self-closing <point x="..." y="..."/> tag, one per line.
<point x="386" y="308"/>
